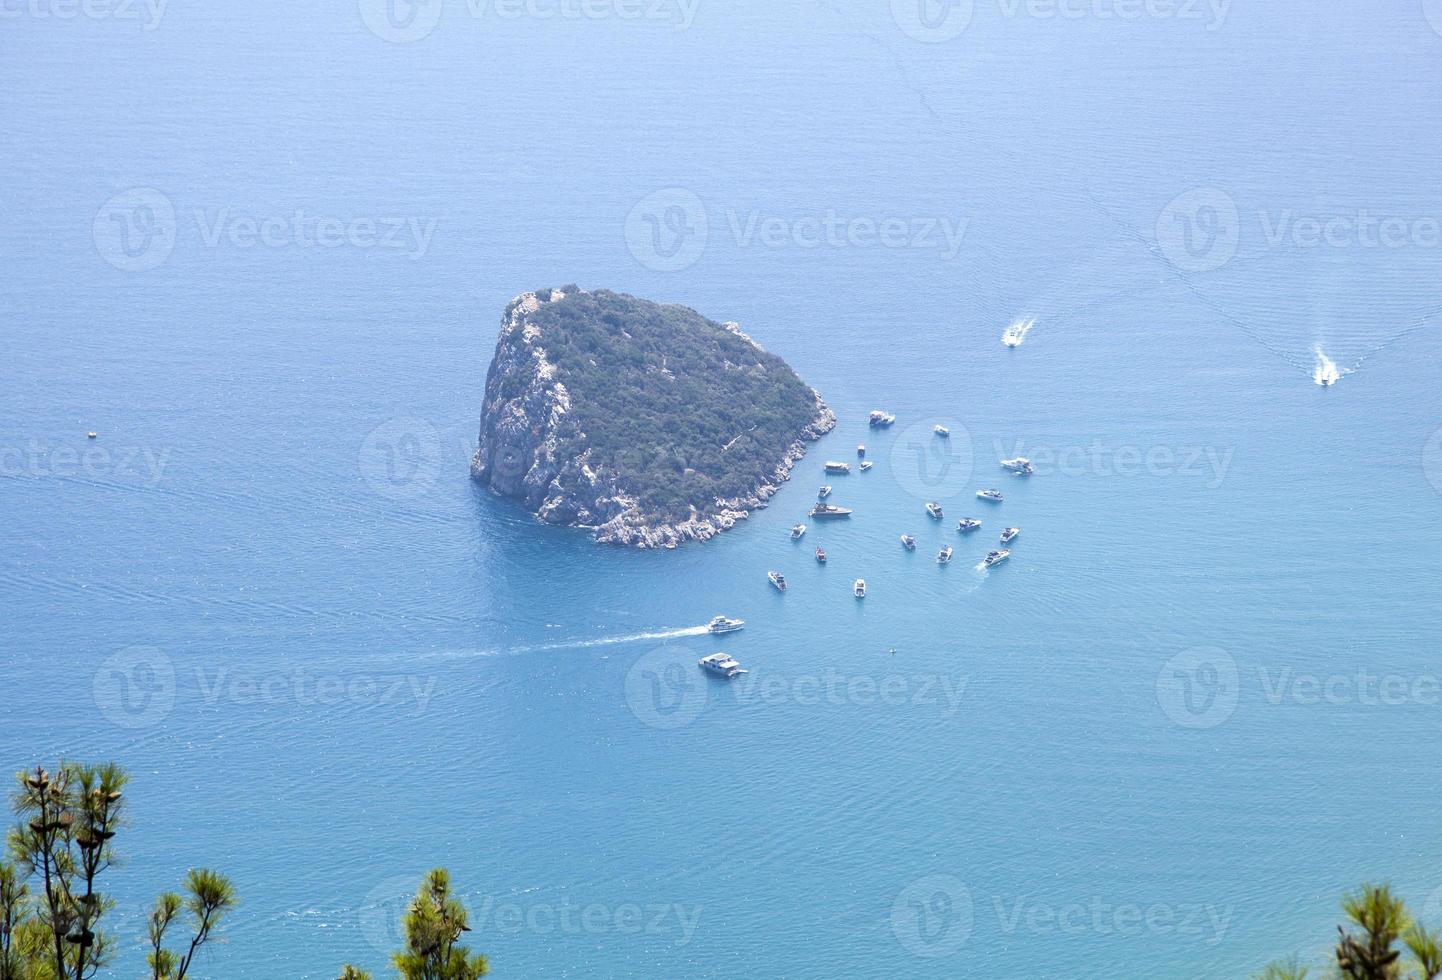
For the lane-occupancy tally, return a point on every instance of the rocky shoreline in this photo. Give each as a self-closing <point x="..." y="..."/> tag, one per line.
<point x="519" y="448"/>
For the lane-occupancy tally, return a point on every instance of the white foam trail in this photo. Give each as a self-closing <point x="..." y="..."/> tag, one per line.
<point x="1326" y="371"/>
<point x="600" y="641"/>
<point x="1016" y="333"/>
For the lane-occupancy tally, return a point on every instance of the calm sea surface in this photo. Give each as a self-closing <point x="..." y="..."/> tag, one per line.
<point x="262" y="250"/>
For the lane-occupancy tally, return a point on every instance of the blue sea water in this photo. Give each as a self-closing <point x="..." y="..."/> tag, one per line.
<point x="262" y="251"/>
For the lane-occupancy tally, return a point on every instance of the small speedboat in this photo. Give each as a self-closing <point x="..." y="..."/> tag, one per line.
<point x="908" y="542"/>
<point x="861" y="449"/>
<point x="943" y="556"/>
<point x="968" y="524"/>
<point x="92" y="435"/>
<point x="934" y="510"/>
<point x="832" y="466"/>
<point x="821" y="556"/>
<point x="1009" y="533"/>
<point x="858" y="588"/>
<point x="996" y="557"/>
<point x="942" y="431"/>
<point x="866" y="466"/>
<point x="824" y="492"/>
<point x="778" y="580"/>
<point x="721" y="664"/>
<point x="993" y="495"/>
<point x="797" y="530"/>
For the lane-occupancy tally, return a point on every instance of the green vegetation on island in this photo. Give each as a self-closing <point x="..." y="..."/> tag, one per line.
<point x="600" y="405"/>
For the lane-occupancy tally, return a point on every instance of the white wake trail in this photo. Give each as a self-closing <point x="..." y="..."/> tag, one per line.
<point x="1016" y="333"/>
<point x="1326" y="372"/>
<point x="577" y="644"/>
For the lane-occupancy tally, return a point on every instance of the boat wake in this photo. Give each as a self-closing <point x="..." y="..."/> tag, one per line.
<point x="1016" y="333"/>
<point x="599" y="641"/>
<point x="1326" y="373"/>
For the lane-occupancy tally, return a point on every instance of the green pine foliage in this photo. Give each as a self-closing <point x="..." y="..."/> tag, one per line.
<point x="681" y="409"/>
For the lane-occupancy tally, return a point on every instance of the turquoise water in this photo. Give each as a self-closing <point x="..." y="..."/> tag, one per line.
<point x="331" y="662"/>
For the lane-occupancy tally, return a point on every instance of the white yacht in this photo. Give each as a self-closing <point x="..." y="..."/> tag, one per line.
<point x="880" y="419"/>
<point x="858" y="588"/>
<point x="908" y="542"/>
<point x="822" y="510"/>
<point x="1009" y="533"/>
<point x="1021" y="466"/>
<point x="832" y="466"/>
<point x="942" y="431"/>
<point x="968" y="524"/>
<point x="934" y="510"/>
<point x="778" y="580"/>
<point x="723" y="625"/>
<point x="996" y="557"/>
<point x="797" y="530"/>
<point x="722" y="664"/>
<point x="993" y="495"/>
<point x="943" y="556"/>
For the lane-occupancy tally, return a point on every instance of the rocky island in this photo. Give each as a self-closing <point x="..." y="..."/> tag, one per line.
<point x="649" y="424"/>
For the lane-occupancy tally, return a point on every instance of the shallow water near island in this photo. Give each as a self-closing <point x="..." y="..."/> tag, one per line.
<point x="332" y="662"/>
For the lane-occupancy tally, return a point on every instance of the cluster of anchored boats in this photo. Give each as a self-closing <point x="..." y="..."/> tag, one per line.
<point x="724" y="665"/>
<point x="823" y="510"/>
